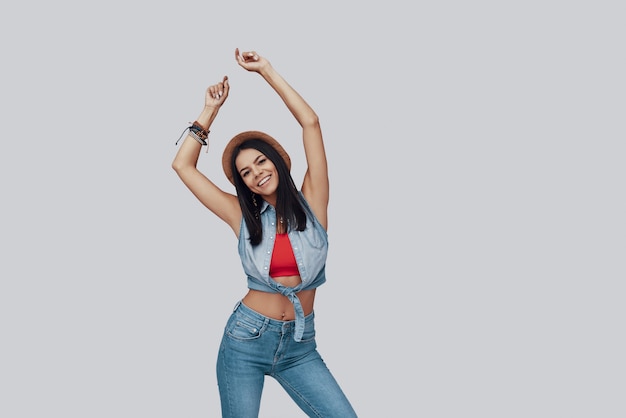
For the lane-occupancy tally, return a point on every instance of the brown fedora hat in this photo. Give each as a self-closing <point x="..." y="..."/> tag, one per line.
<point x="244" y="136"/>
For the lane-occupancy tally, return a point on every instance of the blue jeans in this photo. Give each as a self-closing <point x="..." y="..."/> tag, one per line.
<point x="254" y="346"/>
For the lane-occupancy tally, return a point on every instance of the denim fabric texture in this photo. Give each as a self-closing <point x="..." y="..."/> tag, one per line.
<point x="254" y="346"/>
<point x="310" y="247"/>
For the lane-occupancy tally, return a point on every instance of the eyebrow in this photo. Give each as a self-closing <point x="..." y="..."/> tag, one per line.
<point x="255" y="160"/>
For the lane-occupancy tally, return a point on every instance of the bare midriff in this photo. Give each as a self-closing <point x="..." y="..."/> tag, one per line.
<point x="277" y="306"/>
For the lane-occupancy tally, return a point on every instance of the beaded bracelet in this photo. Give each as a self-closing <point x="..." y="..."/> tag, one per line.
<point x="195" y="136"/>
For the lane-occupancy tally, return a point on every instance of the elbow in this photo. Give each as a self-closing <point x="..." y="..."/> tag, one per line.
<point x="177" y="165"/>
<point x="183" y="168"/>
<point x="182" y="164"/>
<point x="311" y="121"/>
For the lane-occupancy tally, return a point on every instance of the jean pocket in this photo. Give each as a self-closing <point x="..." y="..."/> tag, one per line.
<point x="243" y="330"/>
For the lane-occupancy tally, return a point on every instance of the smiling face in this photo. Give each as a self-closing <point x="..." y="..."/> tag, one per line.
<point x="258" y="173"/>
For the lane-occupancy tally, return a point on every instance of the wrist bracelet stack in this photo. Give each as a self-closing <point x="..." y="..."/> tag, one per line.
<point x="197" y="132"/>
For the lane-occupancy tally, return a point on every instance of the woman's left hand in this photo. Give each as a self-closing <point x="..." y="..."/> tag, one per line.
<point x="250" y="60"/>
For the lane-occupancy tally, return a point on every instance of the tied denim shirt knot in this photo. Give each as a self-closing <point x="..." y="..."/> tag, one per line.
<point x="297" y="306"/>
<point x="290" y="293"/>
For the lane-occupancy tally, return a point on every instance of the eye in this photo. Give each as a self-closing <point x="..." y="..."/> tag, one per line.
<point x="245" y="173"/>
<point x="262" y="161"/>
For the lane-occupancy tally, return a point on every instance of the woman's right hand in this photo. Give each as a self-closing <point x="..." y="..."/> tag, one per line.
<point x="216" y="94"/>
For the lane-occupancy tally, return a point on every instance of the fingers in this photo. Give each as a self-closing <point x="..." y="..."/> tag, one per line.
<point x="216" y="91"/>
<point x="245" y="57"/>
<point x="226" y="86"/>
<point x="250" y="56"/>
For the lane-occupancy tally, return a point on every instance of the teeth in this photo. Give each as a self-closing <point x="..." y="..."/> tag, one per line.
<point x="265" y="180"/>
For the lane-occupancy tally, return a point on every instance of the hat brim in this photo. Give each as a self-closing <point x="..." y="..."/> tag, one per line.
<point x="244" y="136"/>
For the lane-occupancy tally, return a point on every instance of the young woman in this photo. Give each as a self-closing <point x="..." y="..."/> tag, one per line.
<point x="283" y="247"/>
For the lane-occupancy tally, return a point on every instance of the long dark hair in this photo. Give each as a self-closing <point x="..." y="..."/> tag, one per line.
<point x="288" y="203"/>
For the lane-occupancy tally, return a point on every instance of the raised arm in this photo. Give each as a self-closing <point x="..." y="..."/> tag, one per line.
<point x="315" y="186"/>
<point x="224" y="205"/>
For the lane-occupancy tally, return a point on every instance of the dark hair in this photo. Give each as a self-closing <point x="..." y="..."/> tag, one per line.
<point x="288" y="203"/>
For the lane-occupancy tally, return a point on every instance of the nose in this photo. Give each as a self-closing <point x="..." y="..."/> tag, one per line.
<point x="256" y="170"/>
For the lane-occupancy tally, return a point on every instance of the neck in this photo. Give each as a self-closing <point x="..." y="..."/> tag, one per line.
<point x="271" y="199"/>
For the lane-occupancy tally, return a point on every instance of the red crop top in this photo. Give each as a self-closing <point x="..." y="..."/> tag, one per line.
<point x="283" y="261"/>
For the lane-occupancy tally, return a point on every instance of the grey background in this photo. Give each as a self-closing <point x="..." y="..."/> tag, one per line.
<point x="476" y="219"/>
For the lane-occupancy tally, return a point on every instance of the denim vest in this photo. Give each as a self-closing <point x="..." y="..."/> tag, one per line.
<point x="310" y="248"/>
